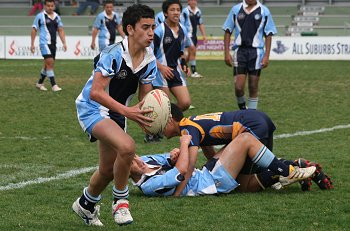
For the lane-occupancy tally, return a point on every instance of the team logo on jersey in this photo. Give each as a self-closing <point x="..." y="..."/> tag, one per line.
<point x="257" y="16"/>
<point x="241" y="16"/>
<point x="121" y="74"/>
<point x="167" y="40"/>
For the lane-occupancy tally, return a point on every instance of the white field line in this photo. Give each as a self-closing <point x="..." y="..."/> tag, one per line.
<point x="76" y="172"/>
<point x="40" y="180"/>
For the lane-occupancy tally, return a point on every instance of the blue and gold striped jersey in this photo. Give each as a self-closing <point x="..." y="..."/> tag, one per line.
<point x="222" y="127"/>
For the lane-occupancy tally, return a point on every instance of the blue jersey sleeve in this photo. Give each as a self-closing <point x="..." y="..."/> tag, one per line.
<point x="159" y="18"/>
<point x="162" y="185"/>
<point x="36" y="21"/>
<point x="107" y="64"/>
<point x="98" y="21"/>
<point x="59" y="21"/>
<point x="200" y="18"/>
<point x="270" y="28"/>
<point x="158" y="36"/>
<point x="229" y="24"/>
<point x="118" y="20"/>
<point x="185" y="20"/>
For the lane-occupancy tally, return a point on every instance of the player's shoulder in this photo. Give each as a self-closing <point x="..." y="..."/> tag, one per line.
<point x="237" y="7"/>
<point x="265" y="9"/>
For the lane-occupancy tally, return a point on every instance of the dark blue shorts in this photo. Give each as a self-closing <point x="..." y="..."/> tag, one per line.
<point x="247" y="60"/>
<point x="48" y="51"/>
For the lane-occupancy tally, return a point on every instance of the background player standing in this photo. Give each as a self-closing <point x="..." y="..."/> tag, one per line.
<point x="169" y="45"/>
<point x="195" y="17"/>
<point x="105" y="25"/>
<point x="252" y="23"/>
<point x="49" y="23"/>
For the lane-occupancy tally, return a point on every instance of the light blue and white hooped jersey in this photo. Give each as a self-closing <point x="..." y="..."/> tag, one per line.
<point x="48" y="27"/>
<point x="107" y="27"/>
<point x="115" y="62"/>
<point x="250" y="28"/>
<point x="165" y="178"/>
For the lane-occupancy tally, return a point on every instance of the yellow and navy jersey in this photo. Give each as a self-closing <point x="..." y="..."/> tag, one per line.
<point x="222" y="127"/>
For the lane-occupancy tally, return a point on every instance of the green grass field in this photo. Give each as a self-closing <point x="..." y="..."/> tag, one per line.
<point x="41" y="140"/>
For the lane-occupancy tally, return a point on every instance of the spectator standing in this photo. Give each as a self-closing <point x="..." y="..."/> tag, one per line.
<point x="254" y="28"/>
<point x="37" y="5"/>
<point x="49" y="24"/>
<point x="94" y="4"/>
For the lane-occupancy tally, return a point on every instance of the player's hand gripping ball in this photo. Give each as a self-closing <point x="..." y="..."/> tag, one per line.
<point x="158" y="101"/>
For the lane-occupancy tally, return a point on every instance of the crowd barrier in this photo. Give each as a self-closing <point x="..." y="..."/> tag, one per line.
<point x="282" y="48"/>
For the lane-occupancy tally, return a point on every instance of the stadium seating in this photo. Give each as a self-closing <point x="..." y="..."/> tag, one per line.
<point x="334" y="20"/>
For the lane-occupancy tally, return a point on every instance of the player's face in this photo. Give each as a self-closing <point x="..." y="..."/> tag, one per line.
<point x="109" y="8"/>
<point x="192" y="3"/>
<point x="143" y="33"/>
<point x="49" y="7"/>
<point x="173" y="13"/>
<point x="250" y="2"/>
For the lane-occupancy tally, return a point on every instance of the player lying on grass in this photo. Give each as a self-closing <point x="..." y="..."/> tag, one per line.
<point x="160" y="175"/>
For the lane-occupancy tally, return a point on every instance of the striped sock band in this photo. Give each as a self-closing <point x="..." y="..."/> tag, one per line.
<point x="120" y="194"/>
<point x="264" y="157"/>
<point x="90" y="198"/>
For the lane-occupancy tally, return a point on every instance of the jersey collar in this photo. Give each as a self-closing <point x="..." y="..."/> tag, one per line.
<point x="193" y="11"/>
<point x="245" y="5"/>
<point x="149" y="56"/>
<point x="145" y="175"/>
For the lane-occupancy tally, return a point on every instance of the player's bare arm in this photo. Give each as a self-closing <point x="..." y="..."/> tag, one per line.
<point x="62" y="36"/>
<point x="227" y="40"/>
<point x="193" y="153"/>
<point x="32" y="36"/>
<point x="266" y="58"/>
<point x="94" y="35"/>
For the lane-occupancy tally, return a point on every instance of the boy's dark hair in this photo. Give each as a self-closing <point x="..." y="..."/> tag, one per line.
<point x="134" y="13"/>
<point x="167" y="3"/>
<point x="49" y="1"/>
<point x="176" y="113"/>
<point x="108" y="2"/>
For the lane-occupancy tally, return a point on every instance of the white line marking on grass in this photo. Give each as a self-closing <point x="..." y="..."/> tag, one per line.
<point x="305" y="133"/>
<point x="40" y="180"/>
<point x="76" y="172"/>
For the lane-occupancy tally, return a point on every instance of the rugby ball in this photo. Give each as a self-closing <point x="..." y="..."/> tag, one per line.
<point x="158" y="101"/>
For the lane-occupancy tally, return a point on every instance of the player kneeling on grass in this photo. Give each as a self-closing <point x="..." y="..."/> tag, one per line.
<point x="102" y="108"/>
<point x="165" y="174"/>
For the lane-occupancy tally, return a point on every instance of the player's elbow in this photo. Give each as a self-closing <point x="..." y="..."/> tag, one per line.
<point x="94" y="94"/>
<point x="182" y="170"/>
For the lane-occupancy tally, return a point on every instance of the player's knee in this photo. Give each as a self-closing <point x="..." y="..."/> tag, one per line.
<point x="127" y="150"/>
<point x="245" y="137"/>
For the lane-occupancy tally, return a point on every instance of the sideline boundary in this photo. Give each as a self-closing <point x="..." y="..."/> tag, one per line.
<point x="76" y="172"/>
